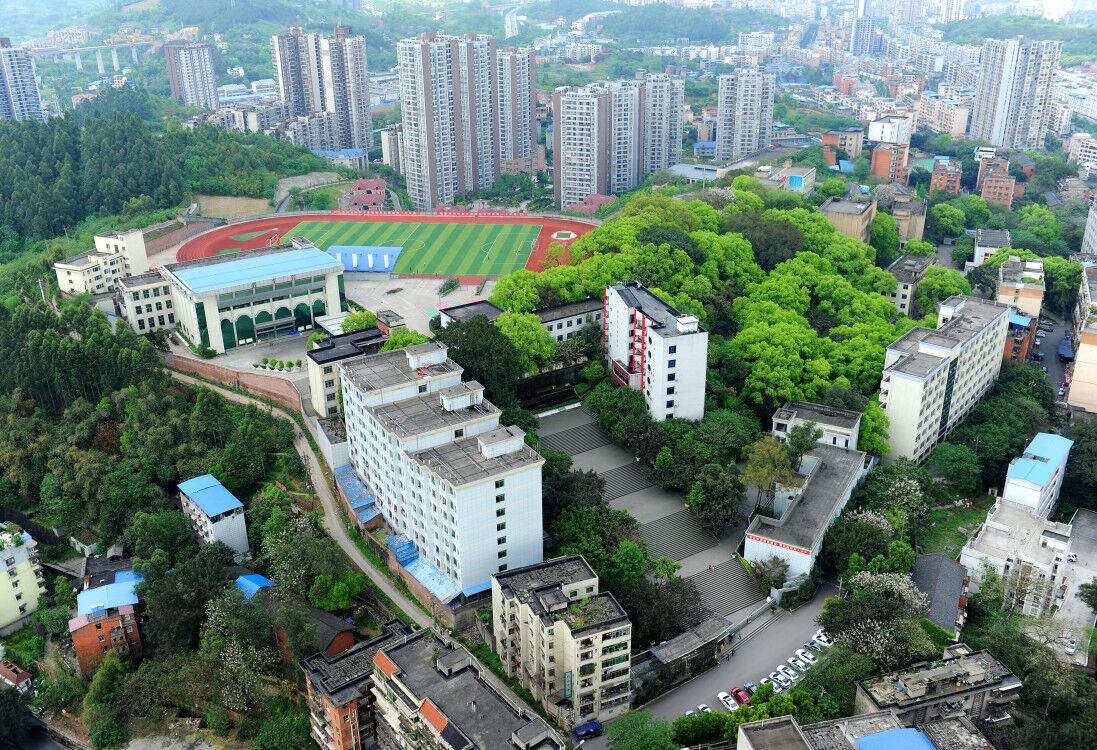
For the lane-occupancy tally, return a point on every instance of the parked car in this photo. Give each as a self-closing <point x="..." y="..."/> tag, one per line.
<point x="770" y="681"/>
<point x="588" y="730"/>
<point x="689" y="713"/>
<point x="780" y="679"/>
<point x="741" y="695"/>
<point x="703" y="708"/>
<point x="1072" y="557"/>
<point x="1071" y="647"/>
<point x="788" y="672"/>
<point x="822" y="637"/>
<point x="820" y="645"/>
<point x="799" y="663"/>
<point x="750" y="687"/>
<point x="1062" y="391"/>
<point x="813" y="645"/>
<point x="806" y="655"/>
<point x="728" y="701"/>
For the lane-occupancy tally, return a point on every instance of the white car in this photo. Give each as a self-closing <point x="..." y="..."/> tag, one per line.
<point x="1071" y="647"/>
<point x="768" y="681"/>
<point x="798" y="663"/>
<point x="788" y="672"/>
<point x="822" y="637"/>
<point x="806" y="656"/>
<point x="779" y="678"/>
<point x="729" y="703"/>
<point x="703" y="708"/>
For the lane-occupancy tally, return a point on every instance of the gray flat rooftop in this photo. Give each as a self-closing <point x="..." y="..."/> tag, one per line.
<point x="707" y="632"/>
<point x="819" y="413"/>
<point x="963" y="326"/>
<point x="144" y="279"/>
<point x="541" y="587"/>
<point x="933" y="681"/>
<point x="910" y="269"/>
<point x="570" y="310"/>
<point x="425" y="414"/>
<point x="523" y="582"/>
<point x="475" y="715"/>
<point x="808" y="517"/>
<point x="842" y="734"/>
<point x="780" y="733"/>
<point x="388" y="369"/>
<point x="345" y="345"/>
<point x="470" y="310"/>
<point x="839" y="206"/>
<point x="1012" y="529"/>
<point x="461" y="462"/>
<point x="992" y="237"/>
<point x="83" y="260"/>
<point x="639" y="298"/>
<point x="955" y="733"/>
<point x="348" y="675"/>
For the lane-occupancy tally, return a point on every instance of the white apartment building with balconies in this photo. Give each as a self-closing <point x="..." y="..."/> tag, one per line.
<point x="463" y="490"/>
<point x="98" y="271"/>
<point x="657" y="350"/>
<point x="562" y="639"/>
<point x="933" y="378"/>
<point x="215" y="513"/>
<point x="21" y="581"/>
<point x="744" y="113"/>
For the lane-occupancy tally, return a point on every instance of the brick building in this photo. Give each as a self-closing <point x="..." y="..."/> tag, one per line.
<point x="108" y="617"/>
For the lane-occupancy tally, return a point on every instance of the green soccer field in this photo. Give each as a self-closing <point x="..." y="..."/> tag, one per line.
<point x="433" y="248"/>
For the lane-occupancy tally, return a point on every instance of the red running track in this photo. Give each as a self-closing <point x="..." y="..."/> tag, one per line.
<point x="207" y="244"/>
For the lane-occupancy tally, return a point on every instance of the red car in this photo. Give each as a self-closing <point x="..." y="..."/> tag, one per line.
<point x="741" y="695"/>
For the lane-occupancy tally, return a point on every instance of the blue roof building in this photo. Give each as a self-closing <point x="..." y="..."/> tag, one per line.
<point x="251" y="584"/>
<point x="1036" y="476"/>
<point x="240" y="298"/>
<point x="121" y="593"/>
<point x="215" y="513"/>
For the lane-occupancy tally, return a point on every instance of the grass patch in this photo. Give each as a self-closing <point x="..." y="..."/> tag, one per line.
<point x="947" y="529"/>
<point x="938" y="636"/>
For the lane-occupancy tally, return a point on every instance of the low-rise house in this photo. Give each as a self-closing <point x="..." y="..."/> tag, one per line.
<point x="908" y="270"/>
<point x="431" y="695"/>
<point x="945" y="583"/>
<point x="851" y="218"/>
<point x="108" y="618"/>
<point x="963" y="682"/>
<point x="96" y="271"/>
<point x="215" y="513"/>
<point x="565" y="642"/>
<point x="323" y="364"/>
<point x="988" y="242"/>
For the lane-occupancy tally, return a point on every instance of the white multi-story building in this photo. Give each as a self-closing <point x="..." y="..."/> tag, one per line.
<point x="19" y="97"/>
<point x="1035" y="478"/>
<point x="190" y="72"/>
<point x="21" y="581"/>
<point x="656" y="350"/>
<point x="1089" y="239"/>
<point x="392" y="147"/>
<point x="744" y="113"/>
<point x="317" y="75"/>
<point x="891" y="129"/>
<point x="944" y="114"/>
<point x="562" y="639"/>
<point x="662" y="124"/>
<point x="1013" y="98"/>
<point x="463" y="490"/>
<point x="115" y="257"/>
<point x="988" y="242"/>
<point x="934" y="378"/>
<point x="146" y="301"/>
<point x="215" y="513"/>
<point x="862" y="36"/>
<point x="517" y="109"/>
<point x="826" y="477"/>
<point x="1027" y="552"/>
<point x="1083" y="152"/>
<point x="950" y="10"/>
<point x="756" y="40"/>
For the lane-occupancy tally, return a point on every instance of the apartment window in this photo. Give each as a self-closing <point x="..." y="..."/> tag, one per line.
<point x="502" y="568"/>
<point x="500" y="498"/>
<point x="670" y="377"/>
<point x="672" y="363"/>
<point x="459" y="433"/>
<point x="500" y="513"/>
<point x="501" y="540"/>
<point x="500" y="526"/>
<point x="590" y="589"/>
<point x="331" y="397"/>
<point x="499" y="483"/>
<point x="670" y="391"/>
<point x="502" y="554"/>
<point x="423" y="388"/>
<point x="327" y="370"/>
<point x="670" y="403"/>
<point x="673" y="348"/>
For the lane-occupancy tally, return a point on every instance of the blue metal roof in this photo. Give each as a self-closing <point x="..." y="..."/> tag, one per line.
<point x="1017" y="319"/>
<point x="251" y="584"/>
<point x="113" y="595"/>
<point x="357" y="495"/>
<point x="436" y="582"/>
<point x="380" y="259"/>
<point x="1048" y="452"/>
<point x="251" y="268"/>
<point x="896" y="739"/>
<point x="349" y="152"/>
<point x="210" y="495"/>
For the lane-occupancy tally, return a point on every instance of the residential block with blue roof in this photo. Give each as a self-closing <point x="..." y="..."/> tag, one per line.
<point x="1036" y="476"/>
<point x="215" y="513"/>
<point x="108" y="618"/>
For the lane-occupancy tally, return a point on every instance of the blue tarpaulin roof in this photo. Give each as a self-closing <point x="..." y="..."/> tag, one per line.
<point x="348" y="152"/>
<point x="365" y="515"/>
<point x="896" y="739"/>
<point x="435" y="581"/>
<point x="1065" y="351"/>
<point x="251" y="584"/>
<point x="845" y="166"/>
<point x="1017" y="319"/>
<point x="1049" y="453"/>
<point x="113" y="595"/>
<point x="356" y="493"/>
<point x="250" y="268"/>
<point x="212" y="496"/>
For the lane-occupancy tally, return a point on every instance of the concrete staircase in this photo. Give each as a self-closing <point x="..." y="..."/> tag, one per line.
<point x="576" y="440"/>
<point x="727" y="588"/>
<point x="624" y="480"/>
<point x="676" y="536"/>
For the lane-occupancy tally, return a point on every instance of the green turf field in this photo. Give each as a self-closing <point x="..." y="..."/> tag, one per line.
<point x="430" y="248"/>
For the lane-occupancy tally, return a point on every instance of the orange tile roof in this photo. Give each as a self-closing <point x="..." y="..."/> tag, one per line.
<point x="433" y="715"/>
<point x="385" y="664"/>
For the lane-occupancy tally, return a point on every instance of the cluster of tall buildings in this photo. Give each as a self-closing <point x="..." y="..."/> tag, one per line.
<point x="191" y="75"/>
<point x="467" y="112"/>
<point x="1013" y="98"/>
<point x="19" y="99"/>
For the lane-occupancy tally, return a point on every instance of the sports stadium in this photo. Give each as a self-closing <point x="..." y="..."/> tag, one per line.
<point x="470" y="246"/>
